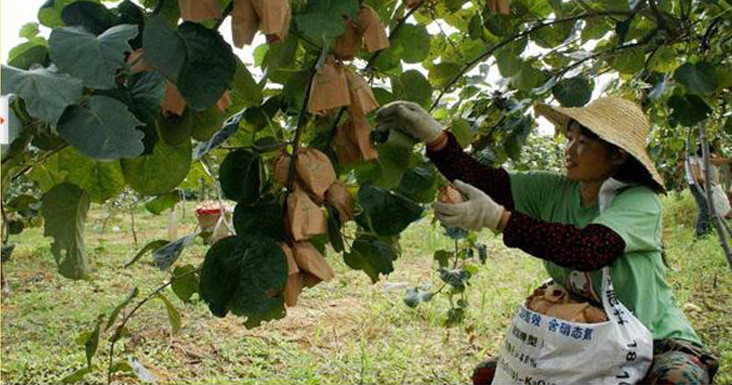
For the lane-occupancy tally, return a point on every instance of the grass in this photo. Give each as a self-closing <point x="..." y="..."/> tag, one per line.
<point x="346" y="331"/>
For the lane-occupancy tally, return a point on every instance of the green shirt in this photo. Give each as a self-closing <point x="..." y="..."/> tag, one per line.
<point x="635" y="215"/>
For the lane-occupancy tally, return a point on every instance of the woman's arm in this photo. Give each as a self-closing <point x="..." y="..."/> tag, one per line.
<point x="587" y="249"/>
<point x="454" y="163"/>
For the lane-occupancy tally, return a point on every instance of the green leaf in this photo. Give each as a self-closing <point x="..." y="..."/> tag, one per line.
<point x="573" y="92"/>
<point x="206" y="123"/>
<point x="415" y="41"/>
<point x="185" y="282"/>
<point x="176" y="130"/>
<point x="262" y="219"/>
<point x="159" y="172"/>
<point x="334" y="230"/>
<point x="528" y="77"/>
<point x="664" y="60"/>
<point x="629" y="61"/>
<point x="94" y="60"/>
<point x="92" y="343"/>
<point x="166" y="256"/>
<point x="420" y="183"/>
<point x="441" y="74"/>
<point x="173" y="314"/>
<point x="25" y="55"/>
<point x="77" y="375"/>
<point x="552" y="36"/>
<point x="164" y="47"/>
<point x="245" y="91"/>
<point x="210" y="66"/>
<point x="412" y="86"/>
<point x="443" y="257"/>
<point x="385" y="213"/>
<point x="372" y="256"/>
<point x="29" y="30"/>
<point x="46" y="93"/>
<point x="153" y="245"/>
<point x="509" y="62"/>
<point x="394" y="160"/>
<point x="240" y="177"/>
<point x="243" y="274"/>
<point x="103" y="129"/>
<point x="162" y="202"/>
<point x="699" y="78"/>
<point x="322" y="20"/>
<point x="64" y="211"/>
<point x="133" y="293"/>
<point x="94" y="17"/>
<point x="688" y="109"/>
<point x="121" y="366"/>
<point x="461" y="129"/>
<point x="595" y="28"/>
<point x="220" y="274"/>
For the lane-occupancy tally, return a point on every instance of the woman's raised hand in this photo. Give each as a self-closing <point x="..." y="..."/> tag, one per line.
<point x="409" y="118"/>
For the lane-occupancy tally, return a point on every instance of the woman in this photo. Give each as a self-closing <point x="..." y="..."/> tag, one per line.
<point x="604" y="211"/>
<point x="719" y="198"/>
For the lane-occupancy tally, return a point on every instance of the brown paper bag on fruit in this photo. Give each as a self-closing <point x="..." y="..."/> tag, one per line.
<point x="281" y="168"/>
<point x="137" y="61"/>
<point x="362" y="98"/>
<point x="339" y="197"/>
<point x="224" y="101"/>
<point x="315" y="171"/>
<point x="361" y="136"/>
<point x="305" y="219"/>
<point x="294" y="284"/>
<point x="199" y="10"/>
<point x="309" y="260"/>
<point x="329" y="88"/>
<point x="346" y="149"/>
<point x="372" y="29"/>
<point x="244" y="22"/>
<point x="274" y="18"/>
<point x="499" y="6"/>
<point x="173" y="102"/>
<point x="412" y="3"/>
<point x="348" y="44"/>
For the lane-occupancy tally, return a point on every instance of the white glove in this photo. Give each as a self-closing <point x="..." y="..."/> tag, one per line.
<point x="477" y="211"/>
<point x="409" y="118"/>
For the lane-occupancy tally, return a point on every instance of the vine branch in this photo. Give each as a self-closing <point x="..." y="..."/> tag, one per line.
<point x="227" y="11"/>
<point x="515" y="37"/>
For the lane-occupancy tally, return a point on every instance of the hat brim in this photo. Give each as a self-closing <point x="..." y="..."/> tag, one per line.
<point x="561" y="116"/>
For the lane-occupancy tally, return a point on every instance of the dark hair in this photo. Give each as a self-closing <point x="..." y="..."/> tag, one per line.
<point x="631" y="171"/>
<point x="712" y="149"/>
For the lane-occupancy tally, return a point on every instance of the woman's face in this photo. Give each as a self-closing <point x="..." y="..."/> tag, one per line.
<point x="588" y="159"/>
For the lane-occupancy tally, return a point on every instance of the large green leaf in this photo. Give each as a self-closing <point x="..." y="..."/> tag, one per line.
<point x="164" y="47"/>
<point x="206" y="123"/>
<point x="699" y="78"/>
<point x="243" y="274"/>
<point x="663" y="60"/>
<point x="94" y="60"/>
<point x="415" y="40"/>
<point x="163" y="202"/>
<point x="27" y="54"/>
<point x="688" y="109"/>
<point x="372" y="256"/>
<point x="46" y="93"/>
<point x="132" y="294"/>
<point x="385" y="213"/>
<point x="629" y="61"/>
<point x="394" y="160"/>
<point x="528" y="77"/>
<point x="420" y="183"/>
<point x="412" y="86"/>
<point x="50" y="12"/>
<point x="100" y="180"/>
<point x="245" y="92"/>
<point x="552" y="36"/>
<point x="240" y="177"/>
<point x="573" y="92"/>
<point x="103" y="129"/>
<point x="64" y="211"/>
<point x="262" y="218"/>
<point x="185" y="282"/>
<point x="322" y="20"/>
<point x="210" y="66"/>
<point x="159" y="172"/>
<point x="441" y="74"/>
<point x="173" y="313"/>
<point x="94" y="17"/>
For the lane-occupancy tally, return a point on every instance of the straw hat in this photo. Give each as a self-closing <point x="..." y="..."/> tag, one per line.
<point x="613" y="119"/>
